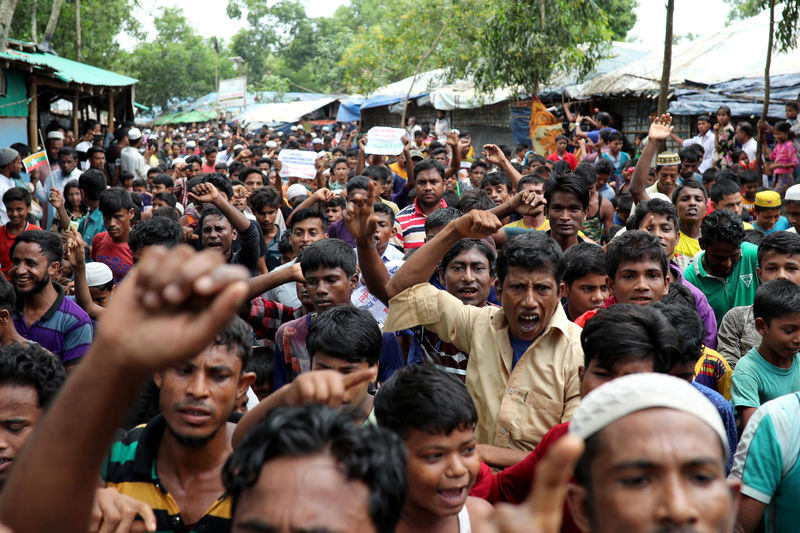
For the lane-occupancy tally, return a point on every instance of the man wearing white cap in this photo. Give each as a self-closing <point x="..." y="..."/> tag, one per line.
<point x="130" y="158"/>
<point x="654" y="460"/>
<point x="9" y="163"/>
<point x="791" y="204"/>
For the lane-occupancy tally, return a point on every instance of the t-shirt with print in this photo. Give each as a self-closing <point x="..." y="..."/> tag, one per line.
<point x="6" y="242"/>
<point x="117" y="255"/>
<point x="755" y="381"/>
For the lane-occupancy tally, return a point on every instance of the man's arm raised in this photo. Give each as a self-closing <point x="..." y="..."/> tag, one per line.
<point x="171" y="306"/>
<point x="660" y="130"/>
<point x="362" y="223"/>
<point x="420" y="266"/>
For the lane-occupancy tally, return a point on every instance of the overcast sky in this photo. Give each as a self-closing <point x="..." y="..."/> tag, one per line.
<point x="691" y="16"/>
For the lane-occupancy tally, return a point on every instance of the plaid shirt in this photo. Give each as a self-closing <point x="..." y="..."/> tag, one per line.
<point x="266" y="317"/>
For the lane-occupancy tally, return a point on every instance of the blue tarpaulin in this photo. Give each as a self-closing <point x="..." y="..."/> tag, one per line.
<point x="384" y="100"/>
<point x="520" y="125"/>
<point x="349" y="110"/>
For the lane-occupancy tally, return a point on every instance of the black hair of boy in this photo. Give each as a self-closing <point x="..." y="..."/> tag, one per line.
<point x="441" y="217"/>
<point x="604" y="167"/>
<point x="328" y="253"/>
<point x="262" y="364"/>
<point x="357" y="183"/>
<point x="656" y="206"/>
<point x="494" y="179"/>
<point x="165" y="180"/>
<point x="49" y="242"/>
<point x="367" y="453"/>
<point x="306" y="213"/>
<point x="166" y="197"/>
<point x="690" y="329"/>
<point x="475" y="199"/>
<point x="285" y="245"/>
<point x="156" y="231"/>
<point x="378" y="173"/>
<point x="362" y="341"/>
<point x="426" y="398"/>
<point x="568" y="184"/>
<point x="264" y="197"/>
<point x="561" y="168"/>
<point x="468" y="244"/>
<point x="138" y="182"/>
<point x="688" y="155"/>
<point x="17" y="194"/>
<point x="583" y="259"/>
<point x="722" y="225"/>
<point x="776" y="298"/>
<point x="30" y="365"/>
<point x="635" y="246"/>
<point x="781" y="243"/>
<point x="623" y="331"/>
<point x="534" y="180"/>
<point x="92" y="183"/>
<point x="688" y="184"/>
<point x="221" y="182"/>
<point x="680" y="294"/>
<point x="338" y="201"/>
<point x="114" y="200"/>
<point x="722" y="188"/>
<point x="532" y="250"/>
<point x="8" y="296"/>
<point x="748" y="176"/>
<point x="587" y="172"/>
<point x="380" y="207"/>
<point x="623" y="202"/>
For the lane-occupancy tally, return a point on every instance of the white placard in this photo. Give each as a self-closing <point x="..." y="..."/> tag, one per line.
<point x="298" y="164"/>
<point x="233" y="92"/>
<point x="384" y="141"/>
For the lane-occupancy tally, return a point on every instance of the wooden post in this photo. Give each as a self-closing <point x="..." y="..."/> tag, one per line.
<point x="75" y="114"/>
<point x="110" y="111"/>
<point x="33" y="115"/>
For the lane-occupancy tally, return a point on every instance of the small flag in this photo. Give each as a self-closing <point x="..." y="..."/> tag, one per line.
<point x="34" y="161"/>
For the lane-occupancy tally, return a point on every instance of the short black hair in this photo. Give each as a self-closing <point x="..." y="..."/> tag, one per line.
<point x="164" y="179"/>
<point x="363" y="340"/>
<point x="427" y="164"/>
<point x="780" y="242"/>
<point x="166" y="197"/>
<point x="569" y="184"/>
<point x="624" y="202"/>
<point x="632" y="247"/>
<point x="221" y="182"/>
<point x="621" y="331"/>
<point x="92" y="183"/>
<point x="49" y="242"/>
<point x="475" y="199"/>
<point x="776" y="298"/>
<point x="722" y="225"/>
<point x="30" y="365"/>
<point x="749" y="176"/>
<point x="657" y="206"/>
<point x="378" y="173"/>
<point x="357" y="183"/>
<point x="442" y="216"/>
<point x="688" y="184"/>
<point x="264" y="197"/>
<point x="468" y="244"/>
<point x="114" y="200"/>
<point x="688" y="155"/>
<point x="583" y="259"/>
<point x="237" y="336"/>
<point x="367" y="453"/>
<point x="493" y="179"/>
<point x="156" y="231"/>
<point x="8" y="296"/>
<point x="380" y="207"/>
<point x="17" y="194"/>
<point x="587" y="172"/>
<point x="426" y="398"/>
<point x="722" y="188"/>
<point x="306" y="213"/>
<point x="746" y="128"/>
<point x="337" y="201"/>
<point x="688" y="325"/>
<point x="328" y="253"/>
<point x="604" y="166"/>
<point x="532" y="250"/>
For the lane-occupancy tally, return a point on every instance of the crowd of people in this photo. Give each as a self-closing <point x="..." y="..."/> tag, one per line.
<point x="454" y="338"/>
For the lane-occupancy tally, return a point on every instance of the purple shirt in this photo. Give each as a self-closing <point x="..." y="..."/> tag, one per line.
<point x="338" y="230"/>
<point x="701" y="304"/>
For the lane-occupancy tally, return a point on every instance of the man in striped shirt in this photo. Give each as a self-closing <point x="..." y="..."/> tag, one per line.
<point x="429" y="188"/>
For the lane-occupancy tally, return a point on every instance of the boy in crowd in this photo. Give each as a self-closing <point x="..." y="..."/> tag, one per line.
<point x="92" y="184"/>
<point x="329" y="268"/>
<point x="726" y="269"/>
<point x="111" y="246"/>
<point x="768" y="213"/>
<point x="429" y="187"/>
<point x="584" y="286"/>
<point x="791" y="203"/>
<point x="605" y="170"/>
<point x="265" y="203"/>
<point x="432" y="412"/>
<point x="567" y="199"/>
<point x="615" y="154"/>
<point x="334" y="209"/>
<point x="704" y="140"/>
<point x="561" y="154"/>
<point x="660" y="218"/>
<point x="772" y="369"/>
<point x="531" y="219"/>
<point x="690" y="202"/>
<point x="18" y="206"/>
<point x="601" y="219"/>
<point x="498" y="186"/>
<point x="667" y="164"/>
<point x="161" y="183"/>
<point x="750" y="185"/>
<point x="778" y="258"/>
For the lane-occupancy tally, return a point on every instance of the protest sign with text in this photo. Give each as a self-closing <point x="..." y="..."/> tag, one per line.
<point x="298" y="164"/>
<point x="385" y="141"/>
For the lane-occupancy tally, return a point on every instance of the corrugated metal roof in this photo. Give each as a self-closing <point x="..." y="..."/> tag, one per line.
<point x="69" y="71"/>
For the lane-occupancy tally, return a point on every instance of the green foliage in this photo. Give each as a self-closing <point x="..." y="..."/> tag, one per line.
<point x="786" y="29"/>
<point x="101" y="22"/>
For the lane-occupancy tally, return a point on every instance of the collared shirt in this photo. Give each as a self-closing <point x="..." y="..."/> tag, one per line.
<point x="132" y="161"/>
<point x="709" y="146"/>
<point x="131" y="469"/>
<point x="91" y="224"/>
<point x="738" y="288"/>
<point x="5" y="184"/>
<point x="392" y="259"/>
<point x="737" y="334"/>
<point x="412" y="222"/>
<point x="65" y="329"/>
<point x="515" y="407"/>
<point x="286" y="293"/>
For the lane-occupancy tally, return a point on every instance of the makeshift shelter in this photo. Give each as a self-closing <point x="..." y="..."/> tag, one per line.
<point x="31" y="81"/>
<point x="255" y="116"/>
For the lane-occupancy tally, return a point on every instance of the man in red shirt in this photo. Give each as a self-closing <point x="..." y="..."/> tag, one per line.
<point x="111" y="246"/>
<point x="561" y="153"/>
<point x="18" y="206"/>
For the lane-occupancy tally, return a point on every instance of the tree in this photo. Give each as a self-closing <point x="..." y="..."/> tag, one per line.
<point x="100" y="23"/>
<point x="175" y="63"/>
<point x="663" y="93"/>
<point x="525" y="43"/>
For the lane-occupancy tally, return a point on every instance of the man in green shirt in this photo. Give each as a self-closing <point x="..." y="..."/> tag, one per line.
<point x="726" y="268"/>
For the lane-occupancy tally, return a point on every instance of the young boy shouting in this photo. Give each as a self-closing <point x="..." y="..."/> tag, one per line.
<point x="18" y="206"/>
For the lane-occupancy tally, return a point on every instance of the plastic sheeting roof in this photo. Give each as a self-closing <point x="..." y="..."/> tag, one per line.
<point x="289" y="112"/>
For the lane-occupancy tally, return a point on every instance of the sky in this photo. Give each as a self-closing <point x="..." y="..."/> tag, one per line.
<point x="691" y="16"/>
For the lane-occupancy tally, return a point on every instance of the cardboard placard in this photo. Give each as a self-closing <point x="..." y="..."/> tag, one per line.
<point x="384" y="141"/>
<point x="298" y="164"/>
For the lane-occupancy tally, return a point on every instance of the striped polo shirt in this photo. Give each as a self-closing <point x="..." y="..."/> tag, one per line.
<point x="131" y="469"/>
<point x="65" y="329"/>
<point x="412" y="223"/>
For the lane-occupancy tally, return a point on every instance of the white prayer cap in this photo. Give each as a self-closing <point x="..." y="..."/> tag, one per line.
<point x="56" y="134"/>
<point x="178" y="161"/>
<point x="98" y="274"/>
<point x="660" y="196"/>
<point x="295" y="190"/>
<point x="271" y="144"/>
<point x="637" y="392"/>
<point x="792" y="194"/>
<point x="134" y="133"/>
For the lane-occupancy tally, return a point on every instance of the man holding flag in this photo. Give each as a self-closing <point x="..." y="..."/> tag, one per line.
<point x="10" y="163"/>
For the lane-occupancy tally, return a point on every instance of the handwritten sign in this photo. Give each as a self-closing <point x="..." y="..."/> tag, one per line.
<point x="298" y="164"/>
<point x="384" y="141"/>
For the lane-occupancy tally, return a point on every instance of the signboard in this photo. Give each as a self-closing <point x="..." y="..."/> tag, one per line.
<point x="233" y="92"/>
<point x="384" y="141"/>
<point x="34" y="161"/>
<point x="298" y="164"/>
